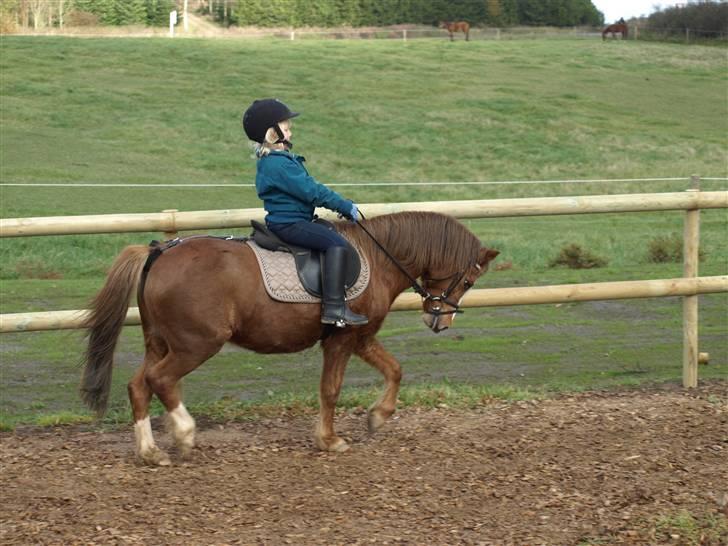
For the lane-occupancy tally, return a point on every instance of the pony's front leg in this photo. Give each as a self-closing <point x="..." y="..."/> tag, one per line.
<point x="337" y="351"/>
<point x="377" y="356"/>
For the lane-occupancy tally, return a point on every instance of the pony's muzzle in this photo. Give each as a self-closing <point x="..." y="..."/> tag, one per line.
<point x="434" y="323"/>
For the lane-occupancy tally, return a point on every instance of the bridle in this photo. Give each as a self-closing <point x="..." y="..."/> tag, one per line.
<point x="436" y="307"/>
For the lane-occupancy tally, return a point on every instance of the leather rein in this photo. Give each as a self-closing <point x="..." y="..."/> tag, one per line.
<point x="436" y="309"/>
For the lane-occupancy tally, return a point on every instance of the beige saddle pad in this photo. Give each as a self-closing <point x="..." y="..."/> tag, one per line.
<point x="281" y="279"/>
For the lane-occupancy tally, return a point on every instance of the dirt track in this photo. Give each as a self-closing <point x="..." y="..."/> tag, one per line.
<point x="598" y="468"/>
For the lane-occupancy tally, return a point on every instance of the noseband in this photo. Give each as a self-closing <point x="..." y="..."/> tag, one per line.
<point x="436" y="308"/>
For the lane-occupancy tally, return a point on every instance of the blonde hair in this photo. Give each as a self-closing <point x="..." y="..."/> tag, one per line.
<point x="269" y="142"/>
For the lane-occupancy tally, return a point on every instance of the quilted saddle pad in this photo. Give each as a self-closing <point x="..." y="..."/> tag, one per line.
<point x="281" y="279"/>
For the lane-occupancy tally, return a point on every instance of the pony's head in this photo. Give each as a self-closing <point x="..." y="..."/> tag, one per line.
<point x="445" y="293"/>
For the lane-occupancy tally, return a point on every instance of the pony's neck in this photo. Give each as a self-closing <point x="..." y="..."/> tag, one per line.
<point x="420" y="242"/>
<point x="407" y="242"/>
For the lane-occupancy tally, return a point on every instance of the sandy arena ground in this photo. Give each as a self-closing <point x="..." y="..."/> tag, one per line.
<point x="594" y="468"/>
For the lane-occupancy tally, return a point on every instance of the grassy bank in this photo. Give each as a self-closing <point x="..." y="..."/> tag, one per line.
<point x="160" y="111"/>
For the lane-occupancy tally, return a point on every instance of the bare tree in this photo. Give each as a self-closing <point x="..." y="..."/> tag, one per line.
<point x="61" y="8"/>
<point x="23" y="11"/>
<point x="36" y="9"/>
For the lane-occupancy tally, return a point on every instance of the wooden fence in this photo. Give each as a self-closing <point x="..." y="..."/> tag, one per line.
<point x="689" y="286"/>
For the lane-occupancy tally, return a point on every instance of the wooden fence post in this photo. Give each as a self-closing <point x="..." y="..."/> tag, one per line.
<point x="171" y="231"/>
<point x="691" y="256"/>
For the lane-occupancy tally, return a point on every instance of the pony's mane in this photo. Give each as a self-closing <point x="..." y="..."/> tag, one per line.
<point x="419" y="239"/>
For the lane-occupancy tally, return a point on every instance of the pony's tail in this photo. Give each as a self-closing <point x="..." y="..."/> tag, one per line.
<point x="104" y="323"/>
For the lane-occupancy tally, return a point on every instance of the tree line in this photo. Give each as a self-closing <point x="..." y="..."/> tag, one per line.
<point x="359" y="13"/>
<point x="304" y="13"/>
<point x="704" y="19"/>
<point x="40" y="14"/>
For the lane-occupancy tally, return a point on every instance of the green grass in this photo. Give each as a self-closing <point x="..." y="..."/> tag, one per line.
<point x="505" y="353"/>
<point x="168" y="111"/>
<point x="685" y="528"/>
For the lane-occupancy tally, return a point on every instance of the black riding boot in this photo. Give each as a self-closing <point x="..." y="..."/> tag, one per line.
<point x="335" y="311"/>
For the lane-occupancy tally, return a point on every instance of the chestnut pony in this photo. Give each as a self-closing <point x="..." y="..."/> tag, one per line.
<point x="616" y="27"/>
<point x="456" y="26"/>
<point x="205" y="292"/>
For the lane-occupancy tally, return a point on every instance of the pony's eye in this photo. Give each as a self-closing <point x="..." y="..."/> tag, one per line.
<point x="468" y="284"/>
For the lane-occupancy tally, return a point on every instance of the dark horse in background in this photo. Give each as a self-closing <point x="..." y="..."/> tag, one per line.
<point x="620" y="26"/>
<point x="205" y="292"/>
<point x="456" y="26"/>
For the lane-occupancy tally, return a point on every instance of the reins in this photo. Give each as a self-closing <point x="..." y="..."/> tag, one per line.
<point x="424" y="293"/>
<point x="415" y="285"/>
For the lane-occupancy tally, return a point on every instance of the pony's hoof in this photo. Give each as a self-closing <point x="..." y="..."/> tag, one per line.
<point x="336" y="444"/>
<point x="186" y="452"/>
<point x="339" y="446"/>
<point x="155" y="457"/>
<point x="376" y="420"/>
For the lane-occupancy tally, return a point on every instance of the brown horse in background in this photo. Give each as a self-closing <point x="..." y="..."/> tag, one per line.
<point x="616" y="27"/>
<point x="205" y="292"/>
<point x="456" y="26"/>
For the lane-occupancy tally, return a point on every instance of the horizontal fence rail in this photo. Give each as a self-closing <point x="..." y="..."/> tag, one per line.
<point x="170" y="222"/>
<point x="485" y="297"/>
<point x="173" y="221"/>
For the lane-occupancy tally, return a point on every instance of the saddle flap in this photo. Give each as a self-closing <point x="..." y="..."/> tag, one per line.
<point x="308" y="261"/>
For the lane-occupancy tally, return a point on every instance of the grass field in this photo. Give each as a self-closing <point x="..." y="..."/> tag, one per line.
<point x="158" y="111"/>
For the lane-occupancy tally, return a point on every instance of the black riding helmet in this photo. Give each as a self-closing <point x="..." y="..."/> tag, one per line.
<point x="264" y="114"/>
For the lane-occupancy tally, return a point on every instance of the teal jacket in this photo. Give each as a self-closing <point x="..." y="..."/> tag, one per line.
<point x="289" y="193"/>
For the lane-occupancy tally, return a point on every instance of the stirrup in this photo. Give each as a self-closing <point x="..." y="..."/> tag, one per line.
<point x="342" y="322"/>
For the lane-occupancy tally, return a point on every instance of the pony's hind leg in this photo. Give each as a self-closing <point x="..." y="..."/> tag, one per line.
<point x="183" y="428"/>
<point x="377" y="356"/>
<point x="140" y="395"/>
<point x="163" y="378"/>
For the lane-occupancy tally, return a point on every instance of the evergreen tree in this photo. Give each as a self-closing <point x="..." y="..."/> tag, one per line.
<point x="328" y="13"/>
<point x="348" y="12"/>
<point x="157" y="11"/>
<point x="495" y="11"/>
<point x="130" y="12"/>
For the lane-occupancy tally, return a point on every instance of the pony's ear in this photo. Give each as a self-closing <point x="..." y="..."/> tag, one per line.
<point x="486" y="255"/>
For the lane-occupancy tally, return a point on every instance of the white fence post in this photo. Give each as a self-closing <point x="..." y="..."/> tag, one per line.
<point x="172" y="22"/>
<point x="691" y="256"/>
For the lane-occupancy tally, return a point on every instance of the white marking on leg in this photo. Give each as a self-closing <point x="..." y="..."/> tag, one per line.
<point x="144" y="438"/>
<point x="183" y="426"/>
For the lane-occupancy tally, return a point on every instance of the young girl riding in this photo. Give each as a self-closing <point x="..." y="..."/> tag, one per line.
<point x="290" y="196"/>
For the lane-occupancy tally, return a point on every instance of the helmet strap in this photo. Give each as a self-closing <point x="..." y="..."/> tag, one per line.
<point x="281" y="137"/>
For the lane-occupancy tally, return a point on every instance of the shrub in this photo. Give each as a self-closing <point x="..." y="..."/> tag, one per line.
<point x="574" y="257"/>
<point x="7" y="23"/>
<point x="78" y="18"/>
<point x="666" y="249"/>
